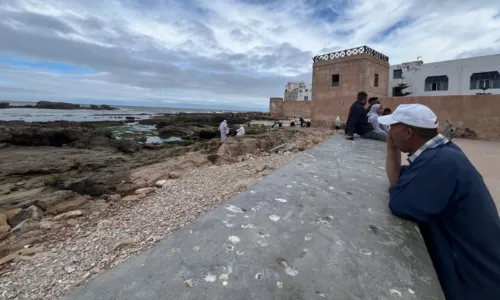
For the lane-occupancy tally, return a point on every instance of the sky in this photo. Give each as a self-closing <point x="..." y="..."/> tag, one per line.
<point x="224" y="54"/>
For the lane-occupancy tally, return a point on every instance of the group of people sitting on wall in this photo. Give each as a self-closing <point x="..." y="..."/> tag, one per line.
<point x="364" y="121"/>
<point x="225" y="131"/>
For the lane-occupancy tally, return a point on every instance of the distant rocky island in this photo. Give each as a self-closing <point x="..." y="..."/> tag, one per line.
<point x="58" y="105"/>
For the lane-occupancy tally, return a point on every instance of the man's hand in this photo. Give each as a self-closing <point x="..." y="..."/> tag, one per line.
<point x="393" y="161"/>
<point x="390" y="141"/>
<point x="349" y="137"/>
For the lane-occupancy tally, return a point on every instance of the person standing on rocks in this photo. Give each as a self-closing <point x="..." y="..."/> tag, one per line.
<point x="444" y="193"/>
<point x="222" y="129"/>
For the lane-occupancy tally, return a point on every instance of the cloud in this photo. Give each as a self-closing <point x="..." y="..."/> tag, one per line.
<point x="226" y="53"/>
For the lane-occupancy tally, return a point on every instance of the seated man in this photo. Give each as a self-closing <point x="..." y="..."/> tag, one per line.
<point x="443" y="192"/>
<point x="371" y="102"/>
<point x="357" y="122"/>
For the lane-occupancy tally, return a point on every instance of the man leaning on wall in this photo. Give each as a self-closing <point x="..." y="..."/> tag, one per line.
<point x="444" y="193"/>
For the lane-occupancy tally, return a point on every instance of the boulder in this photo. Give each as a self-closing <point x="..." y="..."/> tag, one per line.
<point x="68" y="215"/>
<point x="26" y="225"/>
<point x="33" y="213"/>
<point x="67" y="206"/>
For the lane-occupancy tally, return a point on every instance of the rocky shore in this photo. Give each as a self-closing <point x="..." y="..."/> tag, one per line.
<point x="75" y="201"/>
<point x="58" y="105"/>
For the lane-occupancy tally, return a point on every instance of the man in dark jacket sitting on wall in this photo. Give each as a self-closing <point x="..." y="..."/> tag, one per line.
<point x="357" y="122"/>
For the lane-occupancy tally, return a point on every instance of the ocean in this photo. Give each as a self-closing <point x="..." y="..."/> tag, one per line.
<point x="84" y="115"/>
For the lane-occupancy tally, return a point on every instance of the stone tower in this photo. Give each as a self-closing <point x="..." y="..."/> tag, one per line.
<point x="339" y="76"/>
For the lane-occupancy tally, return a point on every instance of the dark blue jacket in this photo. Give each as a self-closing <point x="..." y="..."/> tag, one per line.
<point x="445" y="194"/>
<point x="357" y="121"/>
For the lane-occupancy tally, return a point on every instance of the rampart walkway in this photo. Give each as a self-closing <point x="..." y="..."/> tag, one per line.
<point x="318" y="228"/>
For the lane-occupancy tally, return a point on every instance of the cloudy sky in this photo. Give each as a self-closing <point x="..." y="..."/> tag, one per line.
<point x="216" y="53"/>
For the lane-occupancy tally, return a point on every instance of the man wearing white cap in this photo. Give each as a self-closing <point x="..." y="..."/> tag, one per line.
<point x="442" y="191"/>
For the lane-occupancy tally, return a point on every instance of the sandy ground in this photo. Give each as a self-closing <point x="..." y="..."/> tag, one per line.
<point x="486" y="158"/>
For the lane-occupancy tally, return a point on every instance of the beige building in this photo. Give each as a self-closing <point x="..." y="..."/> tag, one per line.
<point x="339" y="76"/>
<point x="298" y="91"/>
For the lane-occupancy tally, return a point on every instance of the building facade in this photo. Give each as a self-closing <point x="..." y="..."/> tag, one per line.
<point x="339" y="76"/>
<point x="298" y="91"/>
<point x="468" y="76"/>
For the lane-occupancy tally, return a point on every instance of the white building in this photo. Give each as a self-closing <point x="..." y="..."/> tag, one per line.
<point x="454" y="77"/>
<point x="298" y="91"/>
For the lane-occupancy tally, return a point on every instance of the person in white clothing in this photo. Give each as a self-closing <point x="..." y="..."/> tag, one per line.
<point x="240" y="131"/>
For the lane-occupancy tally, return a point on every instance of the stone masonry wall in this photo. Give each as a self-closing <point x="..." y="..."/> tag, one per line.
<point x="280" y="108"/>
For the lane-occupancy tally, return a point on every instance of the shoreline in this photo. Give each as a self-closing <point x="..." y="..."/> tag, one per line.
<point x="58" y="195"/>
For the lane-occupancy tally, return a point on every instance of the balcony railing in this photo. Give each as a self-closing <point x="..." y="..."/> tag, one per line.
<point x="349" y="52"/>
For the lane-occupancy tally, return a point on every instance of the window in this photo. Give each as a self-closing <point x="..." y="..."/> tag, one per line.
<point x="485" y="80"/>
<point x="436" y="83"/>
<point x="306" y="98"/>
<point x="375" y="84"/>
<point x="397" y="74"/>
<point x="335" y="80"/>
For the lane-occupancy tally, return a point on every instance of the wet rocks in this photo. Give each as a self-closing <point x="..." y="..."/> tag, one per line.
<point x="31" y="213"/>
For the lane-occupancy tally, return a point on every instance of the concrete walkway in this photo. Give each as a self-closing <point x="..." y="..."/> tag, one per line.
<point x="318" y="228"/>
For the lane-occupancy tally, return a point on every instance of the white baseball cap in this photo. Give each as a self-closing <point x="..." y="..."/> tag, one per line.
<point x="417" y="115"/>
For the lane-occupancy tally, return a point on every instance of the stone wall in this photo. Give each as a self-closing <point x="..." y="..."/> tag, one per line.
<point x="357" y="73"/>
<point x="480" y="113"/>
<point x="280" y="108"/>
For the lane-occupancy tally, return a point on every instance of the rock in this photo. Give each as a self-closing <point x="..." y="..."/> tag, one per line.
<point x="72" y="222"/>
<point x="122" y="244"/>
<point x="33" y="213"/>
<point x="69" y="269"/>
<point x="175" y="174"/>
<point x="87" y="275"/>
<point x="131" y="198"/>
<point x="69" y="215"/>
<point x="142" y="196"/>
<point x="45" y="224"/>
<point x="67" y="206"/>
<point x="128" y="146"/>
<point x="104" y="224"/>
<point x="262" y="168"/>
<point x="21" y="252"/>
<point x="55" y="198"/>
<point x="161" y="183"/>
<point x="26" y="225"/>
<point x="4" y="228"/>
<point x="3" y="220"/>
<point x="146" y="191"/>
<point x="276" y="149"/>
<point x="98" y="205"/>
<point x="4" y="236"/>
<point x="26" y="243"/>
<point x="20" y="183"/>
<point x="95" y="270"/>
<point x="114" y="198"/>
